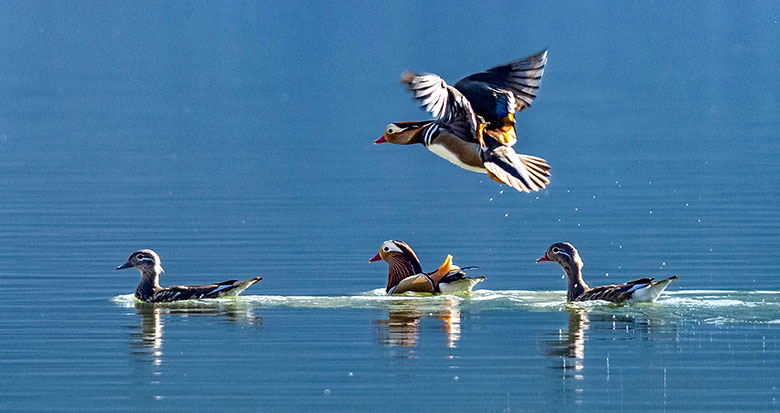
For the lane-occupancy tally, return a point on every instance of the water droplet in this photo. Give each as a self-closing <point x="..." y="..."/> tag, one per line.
<point x="698" y="220"/>
<point x="501" y="191"/>
<point x="491" y="199"/>
<point x="663" y="263"/>
<point x="651" y="212"/>
<point x="606" y="274"/>
<point x="327" y="392"/>
<point x="620" y="246"/>
<point x="350" y="374"/>
<point x="686" y="204"/>
<point x="506" y="215"/>
<point x="576" y="209"/>
<point x="456" y="378"/>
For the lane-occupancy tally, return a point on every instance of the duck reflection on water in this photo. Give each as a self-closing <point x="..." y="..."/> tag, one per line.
<point x="625" y="323"/>
<point x="402" y="326"/>
<point x="570" y="344"/>
<point x="147" y="338"/>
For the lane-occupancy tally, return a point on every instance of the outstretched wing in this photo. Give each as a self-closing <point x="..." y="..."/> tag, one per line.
<point x="520" y="77"/>
<point x="443" y="101"/>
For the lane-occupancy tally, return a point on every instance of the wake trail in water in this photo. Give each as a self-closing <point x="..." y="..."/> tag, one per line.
<point x="708" y="306"/>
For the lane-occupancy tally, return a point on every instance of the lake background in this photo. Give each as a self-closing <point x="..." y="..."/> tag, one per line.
<point x="236" y="140"/>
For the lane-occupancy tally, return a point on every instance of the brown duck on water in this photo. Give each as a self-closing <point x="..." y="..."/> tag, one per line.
<point x="643" y="289"/>
<point x="475" y="121"/>
<point x="405" y="272"/>
<point x="149" y="289"/>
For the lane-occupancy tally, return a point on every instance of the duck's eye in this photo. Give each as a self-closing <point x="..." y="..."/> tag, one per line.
<point x="386" y="249"/>
<point x="139" y="257"/>
<point x="390" y="130"/>
<point x="556" y="250"/>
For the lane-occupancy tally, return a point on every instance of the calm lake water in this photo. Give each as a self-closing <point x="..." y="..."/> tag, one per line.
<point x="236" y="140"/>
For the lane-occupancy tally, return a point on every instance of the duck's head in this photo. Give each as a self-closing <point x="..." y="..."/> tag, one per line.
<point x="401" y="260"/>
<point x="564" y="254"/>
<point x="147" y="261"/>
<point x="403" y="133"/>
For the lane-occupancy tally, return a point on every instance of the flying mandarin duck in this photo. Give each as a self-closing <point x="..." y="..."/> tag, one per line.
<point x="475" y="121"/>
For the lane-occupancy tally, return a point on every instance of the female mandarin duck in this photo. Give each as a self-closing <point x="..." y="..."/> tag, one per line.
<point x="475" y="121"/>
<point x="643" y="289"/>
<point x="149" y="290"/>
<point x="406" y="272"/>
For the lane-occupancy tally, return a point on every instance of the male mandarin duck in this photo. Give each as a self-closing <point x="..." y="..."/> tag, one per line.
<point x="405" y="272"/>
<point x="641" y="290"/>
<point x="475" y="121"/>
<point x="149" y="290"/>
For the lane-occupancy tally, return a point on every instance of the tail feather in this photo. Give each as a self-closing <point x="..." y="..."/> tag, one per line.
<point x="525" y="173"/>
<point x="233" y="290"/>
<point x="652" y="291"/>
<point x="463" y="285"/>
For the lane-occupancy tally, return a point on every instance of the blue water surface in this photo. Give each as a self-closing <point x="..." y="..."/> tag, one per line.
<point x="235" y="139"/>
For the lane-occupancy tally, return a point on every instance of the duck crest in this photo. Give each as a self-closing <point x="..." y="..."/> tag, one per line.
<point x="402" y="265"/>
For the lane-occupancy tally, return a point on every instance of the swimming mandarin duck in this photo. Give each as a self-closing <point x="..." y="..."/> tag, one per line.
<point x="405" y="272"/>
<point x="149" y="290"/>
<point x="641" y="290"/>
<point x="475" y="121"/>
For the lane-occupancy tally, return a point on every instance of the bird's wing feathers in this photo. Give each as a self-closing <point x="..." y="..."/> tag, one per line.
<point x="615" y="292"/>
<point x="521" y="77"/>
<point x="444" y="102"/>
<point x="234" y="288"/>
<point x="179" y="293"/>
<point x="186" y="292"/>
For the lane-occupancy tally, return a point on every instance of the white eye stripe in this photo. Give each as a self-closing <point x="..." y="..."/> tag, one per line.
<point x="389" y="245"/>
<point x="563" y="253"/>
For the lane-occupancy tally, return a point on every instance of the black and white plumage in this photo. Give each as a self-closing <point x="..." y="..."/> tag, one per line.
<point x="475" y="125"/>
<point x="405" y="272"/>
<point x="641" y="290"/>
<point x="149" y="289"/>
<point x="444" y="102"/>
